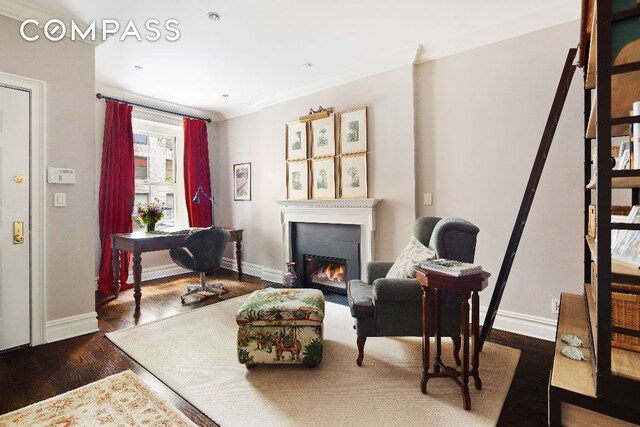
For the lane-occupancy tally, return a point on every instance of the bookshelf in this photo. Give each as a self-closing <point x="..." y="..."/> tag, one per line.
<point x="602" y="390"/>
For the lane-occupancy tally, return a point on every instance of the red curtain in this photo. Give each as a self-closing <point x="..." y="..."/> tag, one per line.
<point x="196" y="171"/>
<point x="117" y="189"/>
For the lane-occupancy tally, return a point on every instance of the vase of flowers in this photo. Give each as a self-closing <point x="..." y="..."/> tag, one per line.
<point x="290" y="277"/>
<point x="150" y="213"/>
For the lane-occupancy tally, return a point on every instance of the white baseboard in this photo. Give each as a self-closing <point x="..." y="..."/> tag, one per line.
<point x="69" y="327"/>
<point x="268" y="274"/>
<point x="523" y="324"/>
<point x="159" y="272"/>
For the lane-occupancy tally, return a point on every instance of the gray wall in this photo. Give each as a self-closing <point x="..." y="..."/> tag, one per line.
<point x="259" y="138"/>
<point x="68" y="68"/>
<point x="479" y="119"/>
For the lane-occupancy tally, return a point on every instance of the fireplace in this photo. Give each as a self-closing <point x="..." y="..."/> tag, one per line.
<point x="327" y="272"/>
<point x="327" y="256"/>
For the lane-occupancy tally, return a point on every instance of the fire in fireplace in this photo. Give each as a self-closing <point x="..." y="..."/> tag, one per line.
<point x="325" y="272"/>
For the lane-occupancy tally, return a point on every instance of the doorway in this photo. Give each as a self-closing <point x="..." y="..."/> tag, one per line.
<point x="15" y="285"/>
<point x="22" y="211"/>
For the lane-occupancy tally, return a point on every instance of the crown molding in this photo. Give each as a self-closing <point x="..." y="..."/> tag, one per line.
<point x="154" y="102"/>
<point x="19" y="10"/>
<point x="384" y="62"/>
<point x="525" y="24"/>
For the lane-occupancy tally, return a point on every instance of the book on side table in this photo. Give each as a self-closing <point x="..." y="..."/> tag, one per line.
<point x="451" y="267"/>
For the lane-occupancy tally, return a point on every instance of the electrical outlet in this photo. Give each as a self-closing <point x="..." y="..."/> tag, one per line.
<point x="555" y="305"/>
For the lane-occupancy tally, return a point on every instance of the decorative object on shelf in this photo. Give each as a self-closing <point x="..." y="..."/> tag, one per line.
<point x="150" y="213"/>
<point x="242" y="181"/>
<point x="290" y="277"/>
<point x="316" y="114"/>
<point x="323" y="178"/>
<point x="298" y="180"/>
<point x="572" y="339"/>
<point x="572" y="352"/>
<point x="626" y="247"/>
<point x="353" y="176"/>
<point x="323" y="141"/>
<point x="353" y="131"/>
<point x="296" y="133"/>
<point x="196" y="200"/>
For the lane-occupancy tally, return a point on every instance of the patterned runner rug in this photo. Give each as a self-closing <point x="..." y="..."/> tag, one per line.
<point x="119" y="400"/>
<point x="195" y="354"/>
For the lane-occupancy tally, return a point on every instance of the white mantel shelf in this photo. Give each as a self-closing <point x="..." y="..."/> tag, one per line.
<point x="360" y="212"/>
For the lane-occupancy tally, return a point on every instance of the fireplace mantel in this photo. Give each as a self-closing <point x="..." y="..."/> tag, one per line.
<point x="360" y="212"/>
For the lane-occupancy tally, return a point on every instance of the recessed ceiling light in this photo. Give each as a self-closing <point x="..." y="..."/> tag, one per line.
<point x="214" y="16"/>
<point x="138" y="67"/>
<point x="307" y="65"/>
<point x="225" y="95"/>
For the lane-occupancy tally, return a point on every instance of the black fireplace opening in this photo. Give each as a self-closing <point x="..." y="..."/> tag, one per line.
<point x="327" y="256"/>
<point x="326" y="272"/>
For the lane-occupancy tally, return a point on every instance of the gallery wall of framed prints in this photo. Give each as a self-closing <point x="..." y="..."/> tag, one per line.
<point x="326" y="158"/>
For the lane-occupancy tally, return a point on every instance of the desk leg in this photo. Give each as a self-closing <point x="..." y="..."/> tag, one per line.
<point x="115" y="266"/>
<point x="437" y="362"/>
<point x="137" y="278"/>
<point x="475" y="324"/>
<point x="425" y="341"/>
<point x="239" y="258"/>
<point x="466" y="399"/>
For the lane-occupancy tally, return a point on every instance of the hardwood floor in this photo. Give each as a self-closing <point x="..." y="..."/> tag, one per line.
<point x="31" y="374"/>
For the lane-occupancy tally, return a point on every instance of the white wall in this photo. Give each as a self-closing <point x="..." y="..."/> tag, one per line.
<point x="479" y="119"/>
<point x="259" y="138"/>
<point x="68" y="69"/>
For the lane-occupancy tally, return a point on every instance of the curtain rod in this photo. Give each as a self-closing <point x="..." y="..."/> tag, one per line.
<point x="149" y="107"/>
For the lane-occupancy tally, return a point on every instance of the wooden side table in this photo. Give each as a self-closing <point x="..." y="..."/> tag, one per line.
<point x="467" y="287"/>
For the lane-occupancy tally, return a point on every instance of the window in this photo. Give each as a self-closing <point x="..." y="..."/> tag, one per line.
<point x="155" y="156"/>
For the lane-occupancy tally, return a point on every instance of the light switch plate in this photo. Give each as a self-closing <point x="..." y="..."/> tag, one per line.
<point x="428" y="199"/>
<point x="59" y="199"/>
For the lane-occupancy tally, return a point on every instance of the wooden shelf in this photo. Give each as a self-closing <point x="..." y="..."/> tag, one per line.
<point x="620" y="182"/>
<point x="624" y="363"/>
<point x="625" y="88"/>
<point x="572" y="375"/>
<point x="617" y="267"/>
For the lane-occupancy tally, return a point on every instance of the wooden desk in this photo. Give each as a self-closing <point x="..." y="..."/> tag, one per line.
<point x="141" y="241"/>
<point x="466" y="286"/>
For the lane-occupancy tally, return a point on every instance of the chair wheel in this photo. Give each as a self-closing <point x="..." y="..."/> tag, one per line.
<point x="182" y="299"/>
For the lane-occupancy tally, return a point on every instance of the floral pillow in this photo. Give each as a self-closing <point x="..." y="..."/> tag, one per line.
<point x="412" y="255"/>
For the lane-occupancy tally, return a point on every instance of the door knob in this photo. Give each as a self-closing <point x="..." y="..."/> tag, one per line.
<point x="18" y="232"/>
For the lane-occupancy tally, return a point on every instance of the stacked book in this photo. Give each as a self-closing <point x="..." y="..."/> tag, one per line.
<point x="451" y="267"/>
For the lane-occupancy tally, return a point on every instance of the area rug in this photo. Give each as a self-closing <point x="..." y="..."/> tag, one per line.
<point x="119" y="400"/>
<point x="195" y="354"/>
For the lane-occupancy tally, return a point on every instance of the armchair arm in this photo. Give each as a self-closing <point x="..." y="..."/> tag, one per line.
<point x="376" y="270"/>
<point x="397" y="290"/>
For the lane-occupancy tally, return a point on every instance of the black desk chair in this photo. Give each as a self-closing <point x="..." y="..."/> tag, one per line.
<point x="203" y="254"/>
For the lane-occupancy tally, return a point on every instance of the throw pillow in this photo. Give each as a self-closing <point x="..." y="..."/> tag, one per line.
<point x="412" y="255"/>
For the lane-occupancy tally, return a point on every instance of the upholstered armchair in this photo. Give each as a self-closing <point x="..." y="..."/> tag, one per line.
<point x="393" y="307"/>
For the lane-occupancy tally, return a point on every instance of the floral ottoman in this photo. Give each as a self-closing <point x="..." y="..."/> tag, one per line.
<point x="281" y="326"/>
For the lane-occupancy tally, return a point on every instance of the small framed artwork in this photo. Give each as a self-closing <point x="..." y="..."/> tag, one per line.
<point x="323" y="141"/>
<point x="242" y="181"/>
<point x="298" y="180"/>
<point x="296" y="133"/>
<point x="323" y="178"/>
<point x="353" y="176"/>
<point x="353" y="131"/>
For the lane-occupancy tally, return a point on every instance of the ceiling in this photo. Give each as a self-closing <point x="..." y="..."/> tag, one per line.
<point x="256" y="51"/>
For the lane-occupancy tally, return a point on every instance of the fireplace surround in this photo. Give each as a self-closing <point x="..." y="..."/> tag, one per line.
<point x="358" y="213"/>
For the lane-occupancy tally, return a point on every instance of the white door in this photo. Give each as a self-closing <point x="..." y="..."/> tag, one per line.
<point x="14" y="214"/>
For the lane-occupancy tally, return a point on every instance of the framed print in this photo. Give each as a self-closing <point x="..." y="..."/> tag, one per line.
<point x="323" y="141"/>
<point x="298" y="180"/>
<point x="353" y="131"/>
<point x="296" y="141"/>
<point x="323" y="178"/>
<point x="353" y="176"/>
<point x="242" y="181"/>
